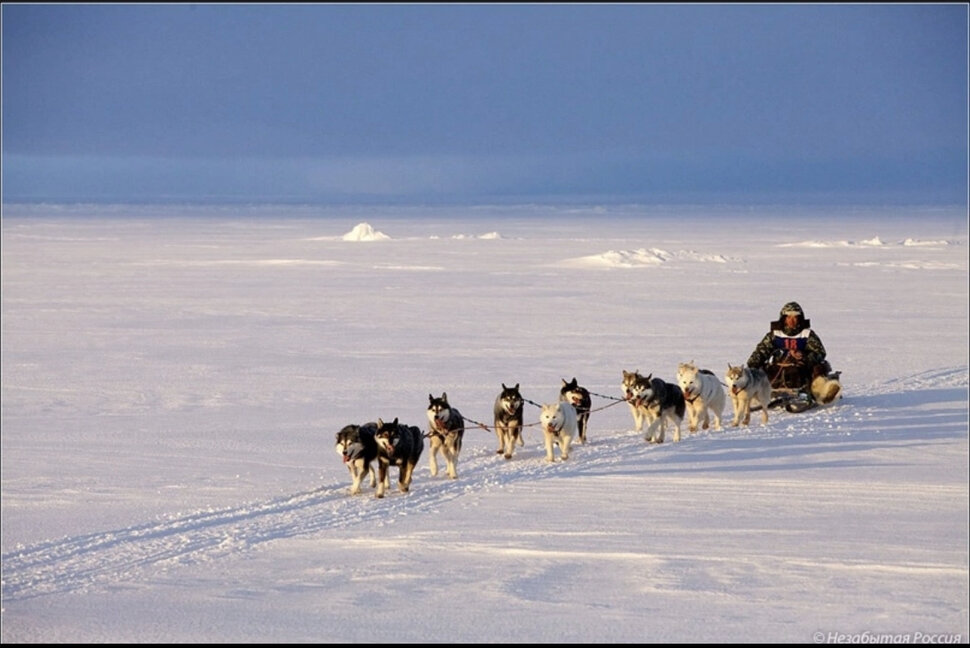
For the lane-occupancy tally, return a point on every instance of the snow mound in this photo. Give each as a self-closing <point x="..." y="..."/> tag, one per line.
<point x="364" y="232"/>
<point x="642" y="257"/>
<point x="627" y="258"/>
<point x="910" y="242"/>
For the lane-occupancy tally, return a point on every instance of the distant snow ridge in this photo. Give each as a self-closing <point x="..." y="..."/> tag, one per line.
<point x="364" y="232"/>
<point x="872" y="243"/>
<point x="489" y="236"/>
<point x="642" y="257"/>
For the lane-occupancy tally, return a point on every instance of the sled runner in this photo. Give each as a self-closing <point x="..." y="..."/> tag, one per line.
<point x="792" y="400"/>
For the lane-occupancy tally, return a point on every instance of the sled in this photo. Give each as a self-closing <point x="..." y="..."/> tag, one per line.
<point x="792" y="400"/>
<point x="806" y="397"/>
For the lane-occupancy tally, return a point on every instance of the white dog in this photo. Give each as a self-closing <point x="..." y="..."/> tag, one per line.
<point x="748" y="385"/>
<point x="825" y="388"/>
<point x="559" y="427"/>
<point x="703" y="394"/>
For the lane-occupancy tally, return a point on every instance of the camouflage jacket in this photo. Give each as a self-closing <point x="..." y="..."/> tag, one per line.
<point x="776" y="344"/>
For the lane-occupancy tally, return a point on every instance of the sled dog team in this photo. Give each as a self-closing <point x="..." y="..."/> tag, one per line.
<point x="698" y="394"/>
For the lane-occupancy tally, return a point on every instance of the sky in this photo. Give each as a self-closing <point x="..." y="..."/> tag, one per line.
<point x="479" y="103"/>
<point x="172" y="388"/>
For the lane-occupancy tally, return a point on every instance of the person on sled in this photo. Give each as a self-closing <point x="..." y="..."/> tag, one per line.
<point x="793" y="356"/>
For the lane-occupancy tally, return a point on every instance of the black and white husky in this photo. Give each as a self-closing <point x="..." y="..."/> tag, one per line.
<point x="397" y="445"/>
<point x="356" y="444"/>
<point x="508" y="420"/>
<point x="559" y="426"/>
<point x="579" y="398"/>
<point x="747" y="386"/>
<point x="446" y="427"/>
<point x="655" y="402"/>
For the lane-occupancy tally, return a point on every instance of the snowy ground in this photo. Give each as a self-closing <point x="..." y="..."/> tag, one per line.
<point x="173" y="377"/>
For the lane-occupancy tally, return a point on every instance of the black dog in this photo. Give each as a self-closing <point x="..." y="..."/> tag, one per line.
<point x="356" y="444"/>
<point x="665" y="402"/>
<point x="508" y="419"/>
<point x="397" y="445"/>
<point x="446" y="429"/>
<point x="578" y="397"/>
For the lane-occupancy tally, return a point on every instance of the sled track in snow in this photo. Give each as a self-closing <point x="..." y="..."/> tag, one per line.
<point x="85" y="562"/>
<point x="80" y="562"/>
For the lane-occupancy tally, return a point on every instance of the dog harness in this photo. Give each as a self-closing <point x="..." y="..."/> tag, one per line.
<point x="443" y="428"/>
<point x="555" y="431"/>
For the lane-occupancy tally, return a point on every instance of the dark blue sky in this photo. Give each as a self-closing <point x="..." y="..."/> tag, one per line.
<point x="419" y="103"/>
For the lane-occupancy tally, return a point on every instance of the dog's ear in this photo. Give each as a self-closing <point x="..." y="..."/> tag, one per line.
<point x="444" y="397"/>
<point x="503" y="386"/>
<point x="395" y="422"/>
<point x="430" y="398"/>
<point x="380" y="423"/>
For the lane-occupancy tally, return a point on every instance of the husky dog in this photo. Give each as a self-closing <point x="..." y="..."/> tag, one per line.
<point x="356" y="444"/>
<point x="633" y="383"/>
<point x="656" y="402"/>
<point x="748" y="385"/>
<point x="446" y="427"/>
<point x="559" y="426"/>
<point x="825" y="387"/>
<point x="578" y="397"/>
<point x="397" y="445"/>
<point x="703" y="395"/>
<point x="508" y="419"/>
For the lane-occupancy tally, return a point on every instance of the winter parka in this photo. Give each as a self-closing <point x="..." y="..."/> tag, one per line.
<point x="773" y="349"/>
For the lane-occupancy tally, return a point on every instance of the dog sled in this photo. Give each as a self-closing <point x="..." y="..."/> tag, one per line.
<point x="792" y="400"/>
<point x="792" y="391"/>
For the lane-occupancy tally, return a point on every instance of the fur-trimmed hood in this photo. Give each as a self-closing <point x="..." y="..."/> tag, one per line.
<point x="789" y="309"/>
